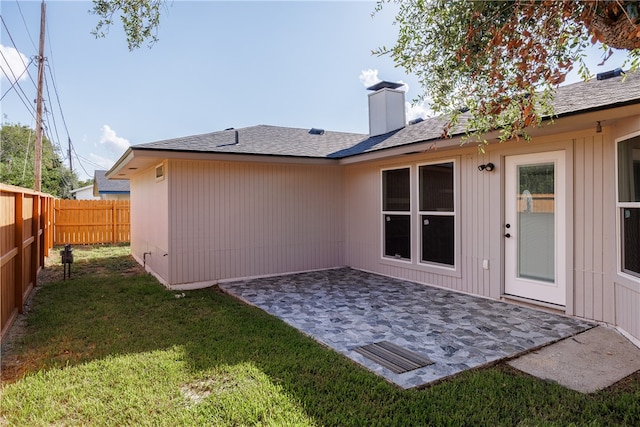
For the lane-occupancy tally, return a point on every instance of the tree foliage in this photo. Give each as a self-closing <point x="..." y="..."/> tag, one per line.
<point x="17" y="144"/>
<point x="140" y="19"/>
<point x="501" y="60"/>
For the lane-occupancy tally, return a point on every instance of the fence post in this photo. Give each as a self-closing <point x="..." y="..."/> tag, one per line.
<point x="42" y="237"/>
<point x="19" y="238"/>
<point x="114" y="237"/>
<point x="35" y="248"/>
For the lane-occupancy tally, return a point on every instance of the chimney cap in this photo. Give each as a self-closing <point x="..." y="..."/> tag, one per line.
<point x="609" y="74"/>
<point x="385" y="85"/>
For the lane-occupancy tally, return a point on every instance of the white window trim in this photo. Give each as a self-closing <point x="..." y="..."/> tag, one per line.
<point x="409" y="213"/>
<point x="619" y="206"/>
<point x="432" y="266"/>
<point x="416" y="240"/>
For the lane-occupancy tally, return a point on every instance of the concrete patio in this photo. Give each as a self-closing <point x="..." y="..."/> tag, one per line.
<point x="346" y="309"/>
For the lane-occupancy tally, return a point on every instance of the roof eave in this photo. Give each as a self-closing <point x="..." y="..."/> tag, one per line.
<point x="121" y="163"/>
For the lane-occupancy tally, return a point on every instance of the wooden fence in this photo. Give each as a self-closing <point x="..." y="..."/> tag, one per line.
<point x="87" y="222"/>
<point x="26" y="236"/>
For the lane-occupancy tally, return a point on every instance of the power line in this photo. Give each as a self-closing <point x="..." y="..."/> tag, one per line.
<point x="79" y="162"/>
<point x="50" y="67"/>
<point x="55" y="91"/>
<point x="90" y="161"/>
<point x="17" y="50"/>
<point x="16" y="80"/>
<point x="49" y="113"/>
<point x="26" y="103"/>
<point x="26" y="26"/>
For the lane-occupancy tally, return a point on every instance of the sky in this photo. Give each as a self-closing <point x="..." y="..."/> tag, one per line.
<point x="216" y="65"/>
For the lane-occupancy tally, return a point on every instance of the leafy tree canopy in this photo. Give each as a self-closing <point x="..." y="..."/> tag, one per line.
<point x="140" y="19"/>
<point x="501" y="60"/>
<point x="17" y="162"/>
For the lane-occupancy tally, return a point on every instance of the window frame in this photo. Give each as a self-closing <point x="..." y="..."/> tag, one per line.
<point x="619" y="207"/>
<point x="408" y="213"/>
<point x="453" y="213"/>
<point x="162" y="167"/>
<point x="415" y="262"/>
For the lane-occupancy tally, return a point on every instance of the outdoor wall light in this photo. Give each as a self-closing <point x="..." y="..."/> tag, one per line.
<point x="598" y="127"/>
<point x="487" y="167"/>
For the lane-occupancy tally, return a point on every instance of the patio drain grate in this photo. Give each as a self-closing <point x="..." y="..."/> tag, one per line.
<point x="393" y="357"/>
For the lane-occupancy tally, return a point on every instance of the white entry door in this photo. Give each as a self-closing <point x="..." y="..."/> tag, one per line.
<point x="535" y="223"/>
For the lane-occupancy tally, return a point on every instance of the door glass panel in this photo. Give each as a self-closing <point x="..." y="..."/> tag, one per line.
<point x="536" y="222"/>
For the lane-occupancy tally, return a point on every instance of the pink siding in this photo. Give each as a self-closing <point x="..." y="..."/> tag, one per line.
<point x="149" y="217"/>
<point x="591" y="215"/>
<point x="221" y="220"/>
<point x="594" y="228"/>
<point x="232" y="219"/>
<point x="627" y="300"/>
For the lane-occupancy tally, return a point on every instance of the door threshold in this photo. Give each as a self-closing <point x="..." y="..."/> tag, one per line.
<point x="547" y="306"/>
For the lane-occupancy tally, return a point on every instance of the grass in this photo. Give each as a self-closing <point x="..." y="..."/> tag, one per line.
<point x="111" y="346"/>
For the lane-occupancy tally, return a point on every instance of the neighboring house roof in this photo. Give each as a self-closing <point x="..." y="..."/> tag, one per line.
<point x="578" y="98"/>
<point x="102" y="185"/>
<point x="77" y="190"/>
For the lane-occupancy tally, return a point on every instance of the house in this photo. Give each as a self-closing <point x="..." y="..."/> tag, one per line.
<point x="554" y="222"/>
<point x="84" y="193"/>
<point x="106" y="189"/>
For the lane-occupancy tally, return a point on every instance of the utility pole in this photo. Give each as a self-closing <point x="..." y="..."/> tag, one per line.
<point x="38" y="152"/>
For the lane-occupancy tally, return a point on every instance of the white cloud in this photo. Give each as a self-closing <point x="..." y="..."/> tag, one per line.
<point x="112" y="141"/>
<point x="418" y="110"/>
<point x="13" y="64"/>
<point x="369" y="77"/>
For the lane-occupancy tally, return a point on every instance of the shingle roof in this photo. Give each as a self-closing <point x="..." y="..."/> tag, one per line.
<point x="281" y="141"/>
<point x="261" y="139"/>
<point x="109" y="186"/>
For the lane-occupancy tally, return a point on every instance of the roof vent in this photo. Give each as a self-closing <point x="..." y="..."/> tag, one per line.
<point x="414" y="121"/>
<point x="609" y="74"/>
<point x="316" y="131"/>
<point x="236" y="139"/>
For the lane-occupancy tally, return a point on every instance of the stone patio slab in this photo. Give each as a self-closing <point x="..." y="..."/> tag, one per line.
<point x="346" y="308"/>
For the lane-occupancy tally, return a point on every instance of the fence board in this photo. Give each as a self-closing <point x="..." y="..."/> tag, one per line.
<point x="88" y="222"/>
<point x="25" y="221"/>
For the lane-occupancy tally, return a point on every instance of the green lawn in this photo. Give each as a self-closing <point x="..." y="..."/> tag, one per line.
<point x="113" y="347"/>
